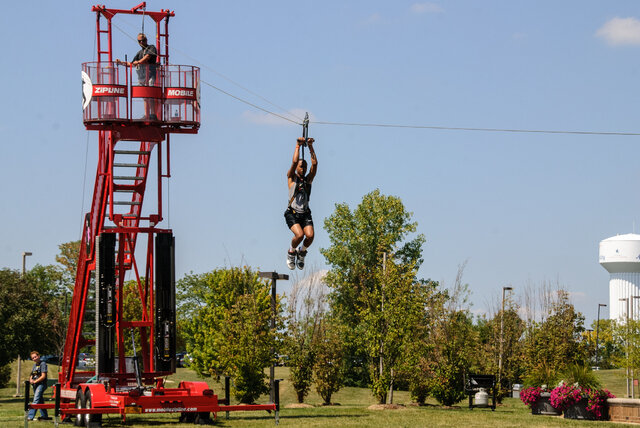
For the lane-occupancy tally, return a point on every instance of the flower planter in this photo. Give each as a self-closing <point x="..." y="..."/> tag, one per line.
<point x="579" y="411"/>
<point x="543" y="406"/>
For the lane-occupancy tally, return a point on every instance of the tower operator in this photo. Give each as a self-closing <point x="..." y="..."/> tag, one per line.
<point x="145" y="63"/>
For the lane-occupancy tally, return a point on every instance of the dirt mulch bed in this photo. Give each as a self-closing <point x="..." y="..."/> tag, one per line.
<point x="298" y="406"/>
<point x="386" y="407"/>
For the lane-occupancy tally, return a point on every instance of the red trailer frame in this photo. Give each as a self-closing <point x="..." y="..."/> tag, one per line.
<point x="170" y="97"/>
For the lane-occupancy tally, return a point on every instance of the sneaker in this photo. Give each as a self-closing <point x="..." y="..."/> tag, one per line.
<point x="291" y="260"/>
<point x="301" y="256"/>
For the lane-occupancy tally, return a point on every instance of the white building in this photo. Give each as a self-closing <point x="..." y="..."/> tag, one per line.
<point x="620" y="256"/>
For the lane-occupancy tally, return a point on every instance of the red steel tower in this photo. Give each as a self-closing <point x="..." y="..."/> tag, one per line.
<point x="134" y="110"/>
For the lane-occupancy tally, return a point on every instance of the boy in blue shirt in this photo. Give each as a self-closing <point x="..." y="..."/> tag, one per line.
<point x="38" y="380"/>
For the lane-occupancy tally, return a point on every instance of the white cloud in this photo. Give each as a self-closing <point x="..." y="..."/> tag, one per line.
<point x="373" y="19"/>
<point x="314" y="279"/>
<point x="262" y="118"/>
<point x="426" y="8"/>
<point x="620" y="31"/>
<point x="577" y="296"/>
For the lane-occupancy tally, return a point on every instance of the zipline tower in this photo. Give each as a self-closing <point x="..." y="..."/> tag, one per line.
<point x="134" y="110"/>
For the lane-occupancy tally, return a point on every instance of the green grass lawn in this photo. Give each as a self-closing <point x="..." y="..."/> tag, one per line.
<point x="352" y="410"/>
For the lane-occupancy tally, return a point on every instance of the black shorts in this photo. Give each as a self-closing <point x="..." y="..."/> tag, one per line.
<point x="303" y="219"/>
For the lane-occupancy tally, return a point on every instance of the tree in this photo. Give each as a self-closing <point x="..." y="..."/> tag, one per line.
<point x="50" y="281"/>
<point x="417" y="364"/>
<point x="305" y="308"/>
<point x="451" y="357"/>
<point x="555" y="343"/>
<point x="68" y="258"/>
<point x="132" y="311"/>
<point x="359" y="238"/>
<point x="512" y="350"/>
<point x="228" y="327"/>
<point x="390" y="317"/>
<point x="454" y="343"/>
<point x="29" y="313"/>
<point x="610" y="348"/>
<point x="329" y="364"/>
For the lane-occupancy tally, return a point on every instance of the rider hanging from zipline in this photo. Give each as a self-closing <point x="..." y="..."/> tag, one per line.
<point x="298" y="214"/>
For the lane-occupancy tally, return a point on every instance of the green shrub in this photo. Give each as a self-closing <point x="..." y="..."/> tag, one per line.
<point x="582" y="375"/>
<point x="447" y="384"/>
<point x="542" y="374"/>
<point x="5" y="375"/>
<point x="249" y="384"/>
<point x="328" y="368"/>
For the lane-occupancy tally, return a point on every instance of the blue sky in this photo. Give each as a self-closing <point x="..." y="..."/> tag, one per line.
<point x="521" y="208"/>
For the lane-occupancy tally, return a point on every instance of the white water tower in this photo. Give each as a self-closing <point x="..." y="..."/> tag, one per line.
<point x="620" y="256"/>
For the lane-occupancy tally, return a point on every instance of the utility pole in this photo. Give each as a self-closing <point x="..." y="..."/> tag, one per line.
<point x="384" y="280"/>
<point x="597" y="332"/>
<point x="24" y="270"/>
<point x="626" y="299"/>
<point x="504" y="289"/>
<point x="381" y="360"/>
<point x="633" y="345"/>
<point x="273" y="276"/>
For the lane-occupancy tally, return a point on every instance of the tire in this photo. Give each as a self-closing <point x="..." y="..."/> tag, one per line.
<point x="202" y="418"/>
<point x="187" y="417"/>
<point x="79" y="418"/>
<point x="92" y="420"/>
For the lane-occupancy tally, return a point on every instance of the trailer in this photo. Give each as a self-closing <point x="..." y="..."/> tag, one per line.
<point x="135" y="108"/>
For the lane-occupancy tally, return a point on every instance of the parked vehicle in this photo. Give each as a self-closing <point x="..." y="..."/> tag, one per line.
<point x="86" y="360"/>
<point x="282" y="360"/>
<point x="183" y="359"/>
<point x="180" y="358"/>
<point x="51" y="359"/>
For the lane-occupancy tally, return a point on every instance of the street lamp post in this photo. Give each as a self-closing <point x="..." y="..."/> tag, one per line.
<point x="24" y="260"/>
<point x="632" y="337"/>
<point x="626" y="299"/>
<point x="597" y="332"/>
<point x="504" y="289"/>
<point x="24" y="270"/>
<point x="273" y="276"/>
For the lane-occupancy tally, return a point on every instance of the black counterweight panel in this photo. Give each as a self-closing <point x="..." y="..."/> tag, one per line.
<point x="165" y="304"/>
<point x="105" y="302"/>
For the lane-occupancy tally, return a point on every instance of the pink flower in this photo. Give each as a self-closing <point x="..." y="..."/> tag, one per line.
<point x="566" y="395"/>
<point x="530" y="395"/>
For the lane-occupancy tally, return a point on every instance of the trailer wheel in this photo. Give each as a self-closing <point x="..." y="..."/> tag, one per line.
<point x="79" y="419"/>
<point x="187" y="417"/>
<point x="203" y="418"/>
<point x="91" y="420"/>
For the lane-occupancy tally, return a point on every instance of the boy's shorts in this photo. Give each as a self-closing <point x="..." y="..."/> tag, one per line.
<point x="303" y="219"/>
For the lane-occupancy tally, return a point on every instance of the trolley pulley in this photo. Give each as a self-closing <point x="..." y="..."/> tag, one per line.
<point x="305" y="133"/>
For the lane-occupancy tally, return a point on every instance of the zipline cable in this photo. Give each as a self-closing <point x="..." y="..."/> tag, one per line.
<point x="222" y="76"/>
<point x="86" y="154"/>
<point x="453" y="128"/>
<point x="248" y="103"/>
<point x="382" y="125"/>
